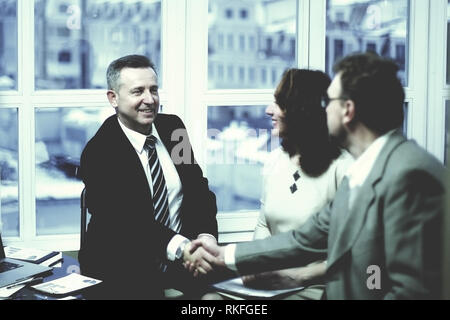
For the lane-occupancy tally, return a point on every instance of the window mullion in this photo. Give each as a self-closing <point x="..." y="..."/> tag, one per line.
<point x="437" y="78"/>
<point x="173" y="53"/>
<point x="196" y="71"/>
<point x="26" y="121"/>
<point x="303" y="33"/>
<point x="317" y="34"/>
<point x="417" y="75"/>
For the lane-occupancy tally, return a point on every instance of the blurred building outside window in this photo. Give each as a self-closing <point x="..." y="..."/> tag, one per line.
<point x="61" y="134"/>
<point x="86" y="35"/>
<point x="239" y="140"/>
<point x="8" y="45"/>
<point x="380" y="26"/>
<point x="9" y="172"/>
<point x="260" y="38"/>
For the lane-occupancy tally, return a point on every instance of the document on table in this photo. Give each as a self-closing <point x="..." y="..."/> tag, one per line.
<point x="30" y="254"/>
<point x="236" y="286"/>
<point x="71" y="283"/>
<point x="6" y="292"/>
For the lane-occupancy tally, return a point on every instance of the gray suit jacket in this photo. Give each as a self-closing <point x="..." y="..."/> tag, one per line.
<point x="394" y="228"/>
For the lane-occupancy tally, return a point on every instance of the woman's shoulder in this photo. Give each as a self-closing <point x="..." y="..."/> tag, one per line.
<point x="275" y="158"/>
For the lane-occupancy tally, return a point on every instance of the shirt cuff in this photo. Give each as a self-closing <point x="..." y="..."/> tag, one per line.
<point x="206" y="235"/>
<point x="229" y="256"/>
<point x="173" y="245"/>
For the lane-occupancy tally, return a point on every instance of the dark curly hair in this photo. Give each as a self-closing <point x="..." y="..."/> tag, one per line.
<point x="305" y="132"/>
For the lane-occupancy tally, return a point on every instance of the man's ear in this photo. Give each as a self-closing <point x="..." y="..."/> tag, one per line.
<point x="349" y="111"/>
<point x="112" y="98"/>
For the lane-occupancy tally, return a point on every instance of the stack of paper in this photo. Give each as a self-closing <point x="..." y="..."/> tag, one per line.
<point x="68" y="284"/>
<point x="38" y="256"/>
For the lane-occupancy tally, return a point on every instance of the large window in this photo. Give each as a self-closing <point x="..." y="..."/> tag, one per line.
<point x="218" y="62"/>
<point x="76" y="40"/>
<point x="61" y="134"/>
<point x="260" y="44"/>
<point x="260" y="40"/>
<point x="8" y="44"/>
<point x="239" y="139"/>
<point x="370" y="25"/>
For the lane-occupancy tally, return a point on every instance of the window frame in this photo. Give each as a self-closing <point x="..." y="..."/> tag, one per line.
<point x="439" y="90"/>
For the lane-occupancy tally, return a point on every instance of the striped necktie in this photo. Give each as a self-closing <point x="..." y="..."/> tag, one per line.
<point x="160" y="198"/>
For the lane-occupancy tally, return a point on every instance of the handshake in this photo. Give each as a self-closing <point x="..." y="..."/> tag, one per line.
<point x="203" y="256"/>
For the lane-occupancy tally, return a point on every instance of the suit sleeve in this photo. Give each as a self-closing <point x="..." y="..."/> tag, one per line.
<point x="262" y="230"/>
<point x="295" y="248"/>
<point x="414" y="208"/>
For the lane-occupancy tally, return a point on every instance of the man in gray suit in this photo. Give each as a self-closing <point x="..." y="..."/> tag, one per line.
<point x="381" y="235"/>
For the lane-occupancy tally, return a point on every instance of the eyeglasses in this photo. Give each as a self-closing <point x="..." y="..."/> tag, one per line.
<point x="325" y="101"/>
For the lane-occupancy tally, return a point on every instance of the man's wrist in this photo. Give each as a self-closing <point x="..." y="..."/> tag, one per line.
<point x="207" y="235"/>
<point x="180" y="251"/>
<point x="174" y="245"/>
<point x="229" y="257"/>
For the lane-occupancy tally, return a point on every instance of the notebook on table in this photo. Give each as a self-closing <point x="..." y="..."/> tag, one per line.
<point x="13" y="271"/>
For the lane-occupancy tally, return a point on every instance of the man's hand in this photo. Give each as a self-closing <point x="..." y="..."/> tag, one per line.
<point x="273" y="280"/>
<point x="200" y="259"/>
<point x="287" y="278"/>
<point x="205" y="255"/>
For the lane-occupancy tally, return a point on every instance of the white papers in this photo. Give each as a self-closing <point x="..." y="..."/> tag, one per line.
<point x="72" y="282"/>
<point x="55" y="262"/>
<point x="236" y="286"/>
<point x="9" y="290"/>
<point x="28" y="254"/>
<point x="6" y="293"/>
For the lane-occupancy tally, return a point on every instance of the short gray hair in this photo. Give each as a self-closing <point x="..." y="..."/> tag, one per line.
<point x="131" y="61"/>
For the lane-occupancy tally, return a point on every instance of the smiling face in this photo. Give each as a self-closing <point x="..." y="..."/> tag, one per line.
<point x="137" y="100"/>
<point x="335" y="109"/>
<point x="274" y="111"/>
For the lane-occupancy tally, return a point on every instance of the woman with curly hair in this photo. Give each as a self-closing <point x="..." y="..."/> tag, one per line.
<point x="300" y="177"/>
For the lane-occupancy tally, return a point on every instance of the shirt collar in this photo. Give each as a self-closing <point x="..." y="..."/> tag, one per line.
<point x="137" y="139"/>
<point x="358" y="172"/>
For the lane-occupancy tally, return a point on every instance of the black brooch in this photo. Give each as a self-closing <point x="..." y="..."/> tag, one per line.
<point x="296" y="176"/>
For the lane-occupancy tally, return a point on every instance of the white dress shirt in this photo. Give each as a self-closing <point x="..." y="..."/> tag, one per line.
<point x="359" y="171"/>
<point x="357" y="174"/>
<point x="173" y="182"/>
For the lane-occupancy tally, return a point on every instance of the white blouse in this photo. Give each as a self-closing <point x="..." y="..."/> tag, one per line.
<point x="283" y="210"/>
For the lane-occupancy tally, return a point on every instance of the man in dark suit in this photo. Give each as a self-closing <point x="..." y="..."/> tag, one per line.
<point x="145" y="192"/>
<point x="381" y="235"/>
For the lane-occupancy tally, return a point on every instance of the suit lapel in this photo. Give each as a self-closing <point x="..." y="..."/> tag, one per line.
<point x="347" y="224"/>
<point x="126" y="154"/>
<point x="166" y="126"/>
<point x="164" y="131"/>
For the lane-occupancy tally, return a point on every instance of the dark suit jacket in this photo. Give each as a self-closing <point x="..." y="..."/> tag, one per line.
<point x="394" y="224"/>
<point x="123" y="241"/>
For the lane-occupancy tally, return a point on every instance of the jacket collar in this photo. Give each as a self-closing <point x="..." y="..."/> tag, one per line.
<point x="348" y="226"/>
